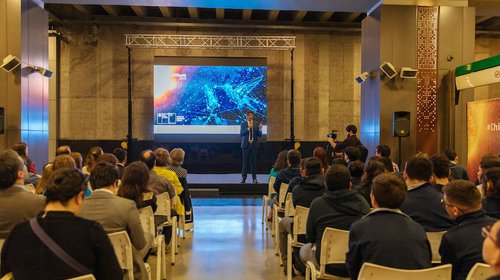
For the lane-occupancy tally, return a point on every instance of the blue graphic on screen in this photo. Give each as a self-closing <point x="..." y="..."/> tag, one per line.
<point x="208" y="98"/>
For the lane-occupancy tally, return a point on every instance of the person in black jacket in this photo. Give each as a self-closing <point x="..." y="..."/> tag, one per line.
<point x="387" y="236"/>
<point x="305" y="191"/>
<point x="27" y="257"/>
<point x="457" y="171"/>
<point x="440" y="172"/>
<point x="351" y="140"/>
<point x="491" y="186"/>
<point x="491" y="249"/>
<point x="422" y="203"/>
<point x="338" y="208"/>
<point x="461" y="244"/>
<point x="286" y="175"/>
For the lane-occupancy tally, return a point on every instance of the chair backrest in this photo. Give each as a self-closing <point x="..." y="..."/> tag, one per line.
<point x="435" y="240"/>
<point x="163" y="203"/>
<point x="374" y="272"/>
<point x="479" y="271"/>
<point x="270" y="188"/>
<point x="282" y="194"/>
<point x="289" y="210"/>
<point x="1" y="244"/>
<point x="147" y="220"/>
<point x="123" y="250"/>
<point x="83" y="277"/>
<point x="299" y="221"/>
<point x="334" y="246"/>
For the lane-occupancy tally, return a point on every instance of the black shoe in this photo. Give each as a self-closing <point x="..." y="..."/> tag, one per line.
<point x="243" y="181"/>
<point x="255" y="181"/>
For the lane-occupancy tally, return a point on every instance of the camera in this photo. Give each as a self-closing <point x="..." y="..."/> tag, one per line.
<point x="332" y="135"/>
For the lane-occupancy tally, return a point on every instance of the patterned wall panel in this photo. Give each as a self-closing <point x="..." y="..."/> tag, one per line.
<point x="427" y="57"/>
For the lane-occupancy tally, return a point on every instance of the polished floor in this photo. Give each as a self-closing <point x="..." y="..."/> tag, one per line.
<point x="228" y="242"/>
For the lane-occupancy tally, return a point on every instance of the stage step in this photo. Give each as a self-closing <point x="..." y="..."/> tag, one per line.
<point x="208" y="192"/>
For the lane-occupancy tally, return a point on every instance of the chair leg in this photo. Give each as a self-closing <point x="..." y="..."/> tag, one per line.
<point x="312" y="271"/>
<point x="159" y="256"/>
<point x="164" y="261"/>
<point x="263" y="209"/>
<point x="289" y="257"/>
<point x="173" y="243"/>
<point x="308" y="273"/>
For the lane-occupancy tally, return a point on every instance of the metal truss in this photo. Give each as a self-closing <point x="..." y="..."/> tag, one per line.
<point x="156" y="41"/>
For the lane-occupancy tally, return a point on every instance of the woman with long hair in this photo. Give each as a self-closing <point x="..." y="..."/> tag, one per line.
<point x="279" y="164"/>
<point x="91" y="159"/>
<point x="21" y="149"/>
<point x="373" y="168"/>
<point x="134" y="185"/>
<point x="320" y="153"/>
<point x="61" y="161"/>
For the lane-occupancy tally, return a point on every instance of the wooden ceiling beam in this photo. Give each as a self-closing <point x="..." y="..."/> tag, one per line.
<point x="247" y="14"/>
<point x="86" y="10"/>
<point x="482" y="19"/>
<point x="193" y="12"/>
<point x="273" y="15"/>
<point x="166" y="12"/>
<point x="140" y="11"/>
<point x="351" y="17"/>
<point x="299" y="15"/>
<point x="325" y="16"/>
<point x="111" y="10"/>
<point x="219" y="13"/>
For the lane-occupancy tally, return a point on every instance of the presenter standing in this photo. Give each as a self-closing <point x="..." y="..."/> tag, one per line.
<point x="250" y="133"/>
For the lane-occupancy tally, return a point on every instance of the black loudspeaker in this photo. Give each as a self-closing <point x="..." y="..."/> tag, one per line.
<point x="2" y="120"/>
<point x="401" y="124"/>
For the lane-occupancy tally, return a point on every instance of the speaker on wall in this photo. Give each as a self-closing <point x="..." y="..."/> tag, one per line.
<point x="2" y="120"/>
<point x="401" y="124"/>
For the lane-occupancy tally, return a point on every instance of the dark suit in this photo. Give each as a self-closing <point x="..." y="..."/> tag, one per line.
<point x="386" y="237"/>
<point x="249" y="149"/>
<point x="462" y="245"/>
<point x="458" y="172"/>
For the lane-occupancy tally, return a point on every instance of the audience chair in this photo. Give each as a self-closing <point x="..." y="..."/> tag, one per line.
<point x="266" y="198"/>
<point x="435" y="241"/>
<point x="2" y="241"/>
<point x="479" y="271"/>
<point x="123" y="250"/>
<point x="299" y="227"/>
<point x="83" y="277"/>
<point x="276" y="210"/>
<point x="370" y="271"/>
<point x="163" y="210"/>
<point x="334" y="246"/>
<point x="8" y="276"/>
<point x="148" y="225"/>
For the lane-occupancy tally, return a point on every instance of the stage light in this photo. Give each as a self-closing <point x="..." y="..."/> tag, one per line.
<point x="44" y="72"/>
<point x="10" y="63"/>
<point x="388" y="69"/>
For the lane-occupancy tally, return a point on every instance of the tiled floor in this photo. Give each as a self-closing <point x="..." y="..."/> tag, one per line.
<point x="228" y="242"/>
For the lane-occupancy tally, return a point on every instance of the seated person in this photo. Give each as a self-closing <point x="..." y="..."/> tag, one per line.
<point x="491" y="186"/>
<point x="491" y="249"/>
<point x="116" y="213"/>
<point x="461" y="244"/>
<point x="422" y="203"/>
<point x="338" y="208"/>
<point x="286" y="175"/>
<point x="457" y="172"/>
<point x="310" y="187"/>
<point x="373" y="168"/>
<point x="488" y="161"/>
<point x="350" y="154"/>
<point x="384" y="151"/>
<point x="387" y="236"/>
<point x="162" y="160"/>
<point x="356" y="169"/>
<point x="27" y="257"/>
<point x="16" y="203"/>
<point x="440" y="172"/>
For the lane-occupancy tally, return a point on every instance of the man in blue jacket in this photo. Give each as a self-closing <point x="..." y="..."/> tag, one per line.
<point x="250" y="133"/>
<point x="461" y="245"/>
<point x="387" y="236"/>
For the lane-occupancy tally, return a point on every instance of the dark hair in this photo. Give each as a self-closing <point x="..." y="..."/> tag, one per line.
<point x="280" y="162"/>
<point x="92" y="156"/>
<point x="373" y="168"/>
<point x="389" y="190"/>
<point x="293" y="156"/>
<point x="440" y="166"/>
<point x="387" y="162"/>
<point x="108" y="157"/>
<point x="134" y="182"/>
<point x="10" y="165"/>
<point x="352" y="152"/>
<point x="384" y="150"/>
<point x="450" y="154"/>
<point x="320" y="153"/>
<point x="312" y="165"/>
<point x="463" y="193"/>
<point x="63" y="161"/>
<point x="490" y="162"/>
<point x="77" y="157"/>
<point x="120" y="154"/>
<point x="352" y="128"/>
<point x="104" y="174"/>
<point x="419" y="168"/>
<point x="20" y="148"/>
<point x="339" y="161"/>
<point x="64" y="184"/>
<point x="356" y="168"/>
<point x="250" y="112"/>
<point x="149" y="158"/>
<point x="493" y="175"/>
<point x="63" y="150"/>
<point x="337" y="178"/>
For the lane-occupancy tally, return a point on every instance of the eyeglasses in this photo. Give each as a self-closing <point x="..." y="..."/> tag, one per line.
<point x="486" y="233"/>
<point x="450" y="205"/>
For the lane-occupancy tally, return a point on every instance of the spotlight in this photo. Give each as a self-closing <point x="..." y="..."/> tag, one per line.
<point x="10" y="63"/>
<point x="388" y="69"/>
<point x="362" y="78"/>
<point x="408" y="73"/>
<point x="44" y="72"/>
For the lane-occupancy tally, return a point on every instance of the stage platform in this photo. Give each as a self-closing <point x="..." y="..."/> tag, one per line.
<point x="215" y="185"/>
